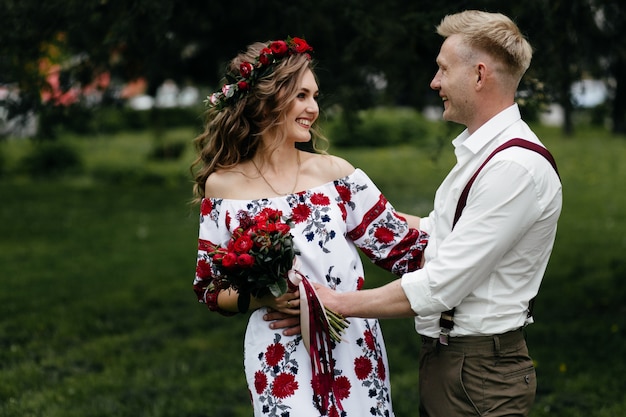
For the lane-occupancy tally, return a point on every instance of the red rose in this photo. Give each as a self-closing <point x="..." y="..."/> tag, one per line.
<point x="300" y="213"/>
<point x="243" y="85"/>
<point x="362" y="367"/>
<point x="265" y="58"/>
<point x="283" y="229"/>
<point x="341" y="387"/>
<point x="206" y="207"/>
<point x="217" y="258"/>
<point x="229" y="260"/>
<point x="320" y="199"/>
<point x="245" y="261"/>
<point x="260" y="381"/>
<point x="245" y="69"/>
<point x="274" y="354"/>
<point x="284" y="385"/>
<point x="384" y="235"/>
<point x="279" y="48"/>
<point x="243" y="244"/>
<point x="300" y="45"/>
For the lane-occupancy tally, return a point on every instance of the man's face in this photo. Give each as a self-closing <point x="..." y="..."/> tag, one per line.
<point x="455" y="80"/>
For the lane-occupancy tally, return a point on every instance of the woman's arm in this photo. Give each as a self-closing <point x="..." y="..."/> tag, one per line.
<point x="413" y="221"/>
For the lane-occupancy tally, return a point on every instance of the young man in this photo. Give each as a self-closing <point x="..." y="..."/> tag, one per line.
<point x="473" y="295"/>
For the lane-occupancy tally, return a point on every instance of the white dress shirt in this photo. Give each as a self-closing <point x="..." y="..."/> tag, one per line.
<point x="492" y="263"/>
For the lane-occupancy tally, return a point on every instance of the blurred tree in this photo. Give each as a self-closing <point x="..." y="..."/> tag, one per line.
<point x="369" y="52"/>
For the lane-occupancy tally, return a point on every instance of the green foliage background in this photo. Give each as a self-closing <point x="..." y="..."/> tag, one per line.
<point x="98" y="317"/>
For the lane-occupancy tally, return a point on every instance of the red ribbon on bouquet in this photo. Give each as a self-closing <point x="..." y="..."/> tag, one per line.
<point x="316" y="337"/>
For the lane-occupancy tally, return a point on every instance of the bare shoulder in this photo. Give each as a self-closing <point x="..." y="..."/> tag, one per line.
<point x="227" y="183"/>
<point x="329" y="167"/>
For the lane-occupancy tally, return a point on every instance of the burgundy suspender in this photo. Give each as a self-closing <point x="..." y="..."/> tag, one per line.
<point x="447" y="318"/>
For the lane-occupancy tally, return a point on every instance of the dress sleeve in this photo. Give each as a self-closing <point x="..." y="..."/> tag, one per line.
<point x="376" y="228"/>
<point x="207" y="284"/>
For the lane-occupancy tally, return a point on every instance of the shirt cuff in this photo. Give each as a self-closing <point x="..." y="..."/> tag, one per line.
<point x="417" y="291"/>
<point x="425" y="225"/>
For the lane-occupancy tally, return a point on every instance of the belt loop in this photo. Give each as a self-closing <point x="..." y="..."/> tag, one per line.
<point x="496" y="345"/>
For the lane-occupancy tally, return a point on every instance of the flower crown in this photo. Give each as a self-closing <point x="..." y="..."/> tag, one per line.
<point x="249" y="73"/>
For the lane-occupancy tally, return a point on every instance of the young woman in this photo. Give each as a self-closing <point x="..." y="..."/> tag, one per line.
<point x="248" y="161"/>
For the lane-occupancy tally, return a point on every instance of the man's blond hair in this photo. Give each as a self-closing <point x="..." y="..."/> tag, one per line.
<point x="492" y="33"/>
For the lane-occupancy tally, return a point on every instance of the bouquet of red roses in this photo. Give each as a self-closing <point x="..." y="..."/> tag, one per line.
<point x="259" y="260"/>
<point x="259" y="254"/>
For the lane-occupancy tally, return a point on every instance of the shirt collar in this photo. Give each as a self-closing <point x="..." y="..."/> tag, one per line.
<point x="487" y="132"/>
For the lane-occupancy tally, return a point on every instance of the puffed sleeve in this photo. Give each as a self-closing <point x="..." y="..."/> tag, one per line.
<point x="206" y="283"/>
<point x="376" y="228"/>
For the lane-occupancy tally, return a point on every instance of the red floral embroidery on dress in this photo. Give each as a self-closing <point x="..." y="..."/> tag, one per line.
<point x="384" y="234"/>
<point x="342" y="387"/>
<point x="203" y="269"/>
<point x="318" y="212"/>
<point x="320" y="199"/>
<point x="370" y="369"/>
<point x="362" y="367"/>
<point x="276" y="380"/>
<point x="360" y="283"/>
<point x="260" y="381"/>
<point x="380" y="368"/>
<point x="300" y="213"/>
<point x="344" y="193"/>
<point x="344" y="212"/>
<point x="227" y="220"/>
<point x="274" y="354"/>
<point x="206" y="207"/>
<point x="285" y="385"/>
<point x="369" y="340"/>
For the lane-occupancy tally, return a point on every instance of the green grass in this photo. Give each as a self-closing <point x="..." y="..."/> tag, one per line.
<point x="98" y="318"/>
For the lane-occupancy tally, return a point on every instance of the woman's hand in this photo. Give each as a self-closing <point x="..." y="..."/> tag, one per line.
<point x="284" y="313"/>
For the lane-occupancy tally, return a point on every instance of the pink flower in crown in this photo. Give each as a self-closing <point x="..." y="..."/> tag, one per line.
<point x="214" y="98"/>
<point x="228" y="90"/>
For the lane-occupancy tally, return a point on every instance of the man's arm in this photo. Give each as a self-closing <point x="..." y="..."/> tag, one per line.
<point x="386" y="302"/>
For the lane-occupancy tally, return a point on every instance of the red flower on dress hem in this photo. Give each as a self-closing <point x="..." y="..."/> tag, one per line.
<point x="260" y="381"/>
<point x="342" y="387"/>
<point x="284" y="385"/>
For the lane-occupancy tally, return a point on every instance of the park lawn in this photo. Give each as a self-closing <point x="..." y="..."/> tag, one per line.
<point x="98" y="318"/>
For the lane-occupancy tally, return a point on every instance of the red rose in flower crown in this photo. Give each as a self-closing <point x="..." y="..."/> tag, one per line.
<point x="238" y="85"/>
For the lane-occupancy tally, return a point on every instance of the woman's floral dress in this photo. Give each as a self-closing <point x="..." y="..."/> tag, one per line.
<point x="331" y="221"/>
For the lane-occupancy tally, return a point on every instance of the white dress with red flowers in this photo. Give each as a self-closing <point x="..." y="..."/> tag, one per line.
<point x="330" y="222"/>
